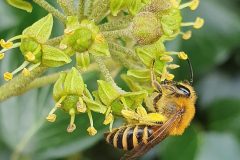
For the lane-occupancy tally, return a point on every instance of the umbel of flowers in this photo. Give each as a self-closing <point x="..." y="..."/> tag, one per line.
<point x="136" y="38"/>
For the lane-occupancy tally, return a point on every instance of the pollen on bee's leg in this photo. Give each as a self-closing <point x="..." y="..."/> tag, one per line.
<point x="8" y="76"/>
<point x="91" y="130"/>
<point x="193" y="5"/>
<point x="71" y="127"/>
<point x="187" y="35"/>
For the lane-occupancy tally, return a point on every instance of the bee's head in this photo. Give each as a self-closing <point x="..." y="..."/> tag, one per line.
<point x="177" y="89"/>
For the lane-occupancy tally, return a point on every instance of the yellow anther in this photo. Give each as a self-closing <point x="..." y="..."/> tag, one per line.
<point x="169" y="77"/>
<point x="63" y="46"/>
<point x="194" y="4"/>
<point x="187" y="35"/>
<point x="8" y="76"/>
<point x="58" y="105"/>
<point x="182" y="55"/>
<point x="198" y="23"/>
<point x="92" y="131"/>
<point x="99" y="38"/>
<point x="1" y="56"/>
<point x="5" y="44"/>
<point x="51" y="117"/>
<point x="71" y="128"/>
<point x="30" y="56"/>
<point x="81" y="106"/>
<point x="173" y="66"/>
<point x="108" y="119"/>
<point x="166" y="58"/>
<point x="68" y="31"/>
<point x="26" y="72"/>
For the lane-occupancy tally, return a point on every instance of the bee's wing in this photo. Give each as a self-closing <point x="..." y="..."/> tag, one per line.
<point x="160" y="134"/>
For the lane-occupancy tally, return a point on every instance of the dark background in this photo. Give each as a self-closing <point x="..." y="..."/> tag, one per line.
<point x="213" y="135"/>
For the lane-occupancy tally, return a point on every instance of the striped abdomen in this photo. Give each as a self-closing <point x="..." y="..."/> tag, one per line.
<point x="127" y="138"/>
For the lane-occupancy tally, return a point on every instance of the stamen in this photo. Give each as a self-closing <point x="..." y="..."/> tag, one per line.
<point x="17" y="37"/>
<point x="6" y="44"/>
<point x="51" y="116"/>
<point x="81" y="106"/>
<point x="187" y="35"/>
<point x="30" y="56"/>
<point x="166" y="58"/>
<point x="26" y="72"/>
<point x="99" y="38"/>
<point x="193" y="5"/>
<point x="108" y="119"/>
<point x="7" y="76"/>
<point x="169" y="77"/>
<point x="182" y="55"/>
<point x="1" y="56"/>
<point x="71" y="126"/>
<point x="15" y="45"/>
<point x="25" y="63"/>
<point x="173" y="66"/>
<point x="199" y="22"/>
<point x="91" y="130"/>
<point x="32" y="67"/>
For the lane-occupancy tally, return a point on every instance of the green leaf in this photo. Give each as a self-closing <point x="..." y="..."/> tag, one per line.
<point x="74" y="83"/>
<point x="107" y="93"/>
<point x="146" y="57"/>
<point x="21" y="4"/>
<point x="40" y="30"/>
<point x="54" y="57"/>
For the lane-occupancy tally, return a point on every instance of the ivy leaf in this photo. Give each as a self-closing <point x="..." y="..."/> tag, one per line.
<point x="40" y="30"/>
<point x="21" y="4"/>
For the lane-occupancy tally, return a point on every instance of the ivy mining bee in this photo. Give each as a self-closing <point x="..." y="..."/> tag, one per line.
<point x="175" y="101"/>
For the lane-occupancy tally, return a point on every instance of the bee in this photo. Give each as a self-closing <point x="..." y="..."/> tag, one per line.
<point x="175" y="101"/>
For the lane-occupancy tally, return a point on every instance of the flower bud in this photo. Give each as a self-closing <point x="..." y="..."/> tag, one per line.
<point x="146" y="29"/>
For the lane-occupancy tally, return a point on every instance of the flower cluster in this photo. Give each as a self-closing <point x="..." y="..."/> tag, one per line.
<point x="132" y="32"/>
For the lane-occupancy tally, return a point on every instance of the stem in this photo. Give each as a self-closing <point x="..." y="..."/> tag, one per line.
<point x="16" y="85"/>
<point x="67" y="7"/>
<point x="100" y="10"/>
<point x="51" y="9"/>
<point x="116" y="33"/>
<point x="116" y="24"/>
<point x="80" y="10"/>
<point x="106" y="73"/>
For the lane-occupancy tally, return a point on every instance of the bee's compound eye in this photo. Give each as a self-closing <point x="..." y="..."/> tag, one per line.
<point x="183" y="90"/>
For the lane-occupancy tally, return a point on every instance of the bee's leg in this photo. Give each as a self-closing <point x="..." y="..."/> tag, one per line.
<point x="156" y="85"/>
<point x="155" y="100"/>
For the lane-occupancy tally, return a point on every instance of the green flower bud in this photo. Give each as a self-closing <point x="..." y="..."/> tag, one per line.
<point x="107" y="93"/>
<point x="79" y="41"/>
<point x="140" y="75"/>
<point x="54" y="57"/>
<point x="73" y="83"/>
<point x="21" y="4"/>
<point x="40" y="30"/>
<point x="70" y="102"/>
<point x="31" y="50"/>
<point x="83" y="60"/>
<point x="146" y="28"/>
<point x="158" y="5"/>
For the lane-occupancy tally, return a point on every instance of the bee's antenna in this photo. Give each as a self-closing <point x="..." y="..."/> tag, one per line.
<point x="191" y="70"/>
